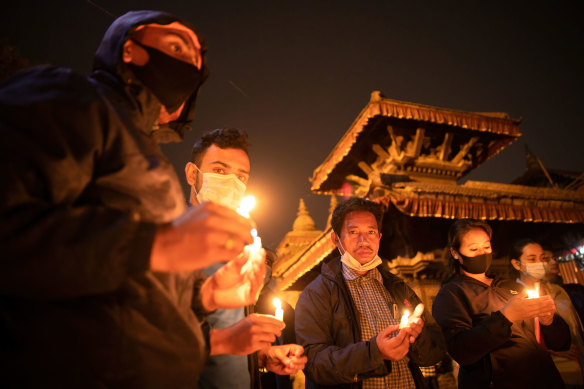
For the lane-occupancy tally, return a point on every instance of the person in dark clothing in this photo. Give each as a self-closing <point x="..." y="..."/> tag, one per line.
<point x="348" y="318"/>
<point x="98" y="249"/>
<point x="489" y="325"/>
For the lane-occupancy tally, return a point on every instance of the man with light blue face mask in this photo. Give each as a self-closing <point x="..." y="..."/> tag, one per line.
<point x="348" y="318"/>
<point x="218" y="172"/>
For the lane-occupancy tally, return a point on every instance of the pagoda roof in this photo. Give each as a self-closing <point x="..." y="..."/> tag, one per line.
<point x="475" y="136"/>
<point x="475" y="200"/>
<point x="486" y="201"/>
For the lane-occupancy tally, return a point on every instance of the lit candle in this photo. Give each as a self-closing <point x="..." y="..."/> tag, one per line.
<point x="253" y="250"/>
<point x="279" y="314"/>
<point x="404" y="322"/>
<point x="246" y="205"/>
<point x="532" y="294"/>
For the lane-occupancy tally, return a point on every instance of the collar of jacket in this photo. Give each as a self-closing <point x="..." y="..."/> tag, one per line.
<point x="129" y="98"/>
<point x="332" y="270"/>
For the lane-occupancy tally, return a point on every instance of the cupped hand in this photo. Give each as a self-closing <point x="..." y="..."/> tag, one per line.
<point x="393" y="348"/>
<point x="204" y="234"/>
<point x="250" y="334"/>
<point x="284" y="359"/>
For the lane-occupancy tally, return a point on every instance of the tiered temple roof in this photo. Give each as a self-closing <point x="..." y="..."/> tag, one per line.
<point x="409" y="157"/>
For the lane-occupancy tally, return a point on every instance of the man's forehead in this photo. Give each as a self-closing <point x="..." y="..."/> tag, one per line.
<point x="360" y="217"/>
<point x="175" y="28"/>
<point x="229" y="156"/>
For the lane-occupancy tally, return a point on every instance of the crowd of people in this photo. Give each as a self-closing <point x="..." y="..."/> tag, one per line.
<point x="112" y="279"/>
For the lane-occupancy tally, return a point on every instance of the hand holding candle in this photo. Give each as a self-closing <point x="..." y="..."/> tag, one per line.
<point x="253" y="251"/>
<point x="404" y="322"/>
<point x="407" y="319"/>
<point x="532" y="294"/>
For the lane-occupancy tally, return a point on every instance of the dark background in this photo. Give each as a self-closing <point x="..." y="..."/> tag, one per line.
<point x="296" y="74"/>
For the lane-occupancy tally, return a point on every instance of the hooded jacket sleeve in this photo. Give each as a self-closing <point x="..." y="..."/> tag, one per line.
<point x="468" y="343"/>
<point x="329" y="364"/>
<point x="56" y="241"/>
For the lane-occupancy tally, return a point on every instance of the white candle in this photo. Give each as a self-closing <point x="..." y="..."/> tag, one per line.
<point x="404" y="322"/>
<point x="279" y="314"/>
<point x="253" y="250"/>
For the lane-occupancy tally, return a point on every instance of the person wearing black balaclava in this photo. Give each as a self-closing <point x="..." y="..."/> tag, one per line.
<point x="489" y="324"/>
<point x="97" y="284"/>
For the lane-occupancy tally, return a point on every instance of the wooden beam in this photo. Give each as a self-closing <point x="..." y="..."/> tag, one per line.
<point x="366" y="168"/>
<point x="464" y="150"/>
<point x="380" y="151"/>
<point x="418" y="140"/>
<point x="445" y="152"/>
<point x="358" y="180"/>
<point x="393" y="150"/>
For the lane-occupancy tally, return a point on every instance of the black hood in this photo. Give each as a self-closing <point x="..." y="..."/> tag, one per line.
<point x="108" y="58"/>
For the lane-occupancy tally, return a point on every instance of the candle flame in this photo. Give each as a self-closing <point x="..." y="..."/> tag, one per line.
<point x="246" y="205"/>
<point x="532" y="294"/>
<point x="277" y="303"/>
<point x="404" y="319"/>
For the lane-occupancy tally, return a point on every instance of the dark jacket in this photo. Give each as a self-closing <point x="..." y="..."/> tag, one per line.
<point x="490" y="349"/>
<point x="328" y="329"/>
<point x="84" y="187"/>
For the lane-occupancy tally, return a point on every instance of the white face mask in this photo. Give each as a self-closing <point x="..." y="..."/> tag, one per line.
<point x="352" y="263"/>
<point x="535" y="270"/>
<point x="224" y="189"/>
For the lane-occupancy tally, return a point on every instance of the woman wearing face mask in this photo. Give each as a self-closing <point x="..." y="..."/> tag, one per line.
<point x="527" y="259"/>
<point x="489" y="325"/>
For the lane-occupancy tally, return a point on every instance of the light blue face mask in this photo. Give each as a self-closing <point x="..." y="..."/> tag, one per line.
<point x="352" y="263"/>
<point x="535" y="270"/>
<point x="224" y="189"/>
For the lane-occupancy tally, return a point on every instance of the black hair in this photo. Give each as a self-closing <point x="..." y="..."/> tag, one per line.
<point x="224" y="138"/>
<point x="355" y="204"/>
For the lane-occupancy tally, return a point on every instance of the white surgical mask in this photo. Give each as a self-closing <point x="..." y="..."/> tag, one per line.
<point x="352" y="263"/>
<point x="224" y="189"/>
<point x="535" y="270"/>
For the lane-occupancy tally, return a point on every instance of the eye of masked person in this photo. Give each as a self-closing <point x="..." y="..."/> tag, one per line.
<point x="222" y="170"/>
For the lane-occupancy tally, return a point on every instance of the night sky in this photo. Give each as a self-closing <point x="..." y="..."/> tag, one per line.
<point x="296" y="74"/>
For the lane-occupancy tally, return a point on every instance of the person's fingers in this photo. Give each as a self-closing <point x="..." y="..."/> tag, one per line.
<point x="400" y="340"/>
<point x="267" y="323"/>
<point x="268" y="320"/>
<point x="418" y="311"/>
<point x="296" y="350"/>
<point x="220" y="218"/>
<point x="263" y="338"/>
<point x="386" y="332"/>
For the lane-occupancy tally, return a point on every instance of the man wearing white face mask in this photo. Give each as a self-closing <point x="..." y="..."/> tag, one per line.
<point x="528" y="258"/>
<point x="348" y="317"/>
<point x="218" y="172"/>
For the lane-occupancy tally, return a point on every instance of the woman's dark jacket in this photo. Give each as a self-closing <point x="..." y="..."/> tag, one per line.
<point x="328" y="329"/>
<point x="491" y="350"/>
